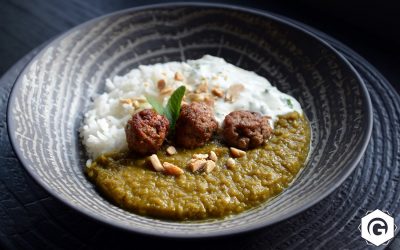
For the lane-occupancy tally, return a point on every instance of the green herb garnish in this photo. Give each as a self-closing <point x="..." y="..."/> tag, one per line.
<point x="157" y="106"/>
<point x="173" y="108"/>
<point x="289" y="103"/>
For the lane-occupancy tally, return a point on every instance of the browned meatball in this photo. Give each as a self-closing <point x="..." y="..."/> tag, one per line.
<point x="195" y="126"/>
<point x="245" y="129"/>
<point x="146" y="131"/>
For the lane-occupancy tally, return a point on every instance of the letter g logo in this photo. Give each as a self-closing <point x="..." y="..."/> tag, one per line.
<point x="377" y="227"/>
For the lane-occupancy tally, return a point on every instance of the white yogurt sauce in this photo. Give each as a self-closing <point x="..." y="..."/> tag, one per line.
<point x="259" y="95"/>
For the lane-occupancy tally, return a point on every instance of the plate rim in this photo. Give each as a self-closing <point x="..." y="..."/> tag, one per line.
<point x="230" y="231"/>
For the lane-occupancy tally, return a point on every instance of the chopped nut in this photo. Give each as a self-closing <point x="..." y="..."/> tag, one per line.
<point x="196" y="97"/>
<point x="212" y="156"/>
<point x="218" y="92"/>
<point x="210" y="165"/>
<point x="178" y="76"/>
<point x="237" y="153"/>
<point x="171" y="169"/>
<point x="196" y="164"/>
<point x="161" y="84"/>
<point x="200" y="156"/>
<point x="141" y="99"/>
<point x="230" y="163"/>
<point x="171" y="150"/>
<point x="228" y="98"/>
<point x="126" y="101"/>
<point x="202" y="88"/>
<point x="155" y="162"/>
<point x="132" y="102"/>
<point x="166" y="91"/>
<point x="136" y="104"/>
<point x="233" y="92"/>
<point x="209" y="101"/>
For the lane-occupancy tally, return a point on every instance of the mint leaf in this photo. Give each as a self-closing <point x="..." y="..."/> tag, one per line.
<point x="157" y="106"/>
<point x="173" y="108"/>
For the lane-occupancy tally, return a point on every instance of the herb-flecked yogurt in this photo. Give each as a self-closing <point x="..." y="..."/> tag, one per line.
<point x="258" y="94"/>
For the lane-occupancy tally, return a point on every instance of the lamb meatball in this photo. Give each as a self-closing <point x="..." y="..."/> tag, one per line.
<point x="146" y="131"/>
<point x="245" y="129"/>
<point x="195" y="125"/>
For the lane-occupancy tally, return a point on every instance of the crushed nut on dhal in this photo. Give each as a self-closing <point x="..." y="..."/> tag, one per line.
<point x="196" y="165"/>
<point x="213" y="156"/>
<point x="209" y="166"/>
<point x="155" y="162"/>
<point x="171" y="150"/>
<point x="172" y="169"/>
<point x="230" y="163"/>
<point x="200" y="156"/>
<point x="237" y="153"/>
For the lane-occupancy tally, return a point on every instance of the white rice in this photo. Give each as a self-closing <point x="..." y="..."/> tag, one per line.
<point x="103" y="126"/>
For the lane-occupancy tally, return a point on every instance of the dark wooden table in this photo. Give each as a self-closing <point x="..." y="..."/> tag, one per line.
<point x="368" y="28"/>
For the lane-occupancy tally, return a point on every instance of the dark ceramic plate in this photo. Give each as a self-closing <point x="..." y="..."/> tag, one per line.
<point x="46" y="105"/>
